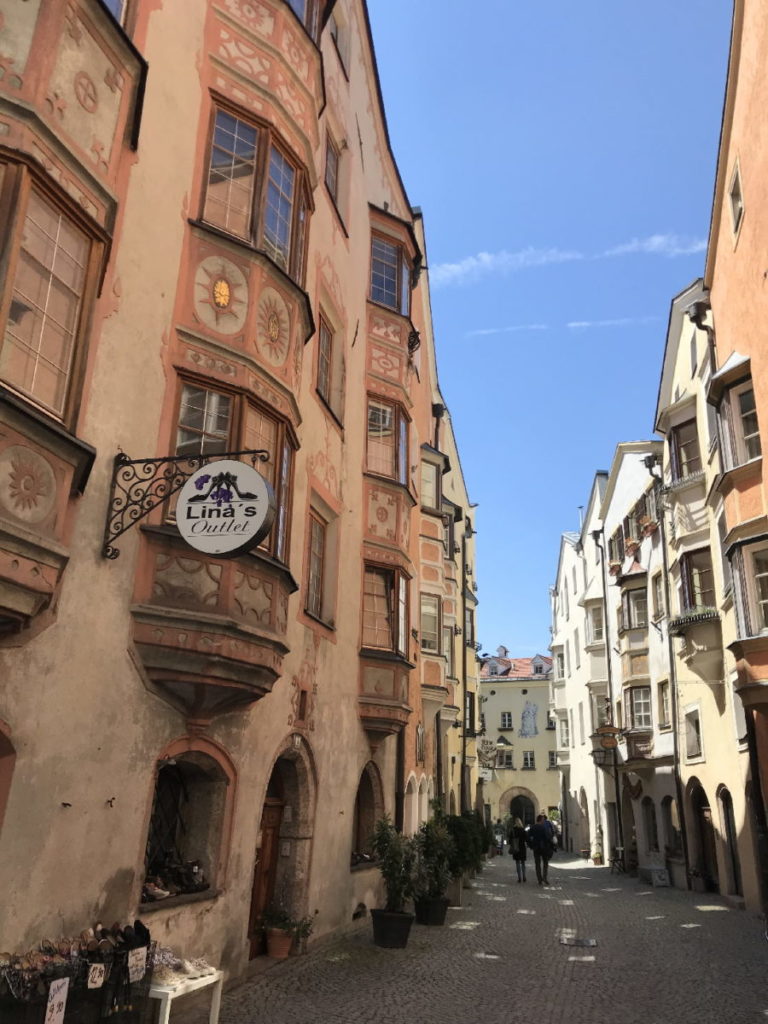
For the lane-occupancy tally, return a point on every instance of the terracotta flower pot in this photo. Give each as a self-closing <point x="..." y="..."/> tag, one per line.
<point x="279" y="943"/>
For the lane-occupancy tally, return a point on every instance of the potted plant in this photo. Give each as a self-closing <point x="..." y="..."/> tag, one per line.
<point x="465" y="855"/>
<point x="396" y="859"/>
<point x="434" y="847"/>
<point x="282" y="929"/>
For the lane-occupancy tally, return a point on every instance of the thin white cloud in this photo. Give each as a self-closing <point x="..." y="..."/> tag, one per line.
<point x="624" y="321"/>
<point x="572" y="325"/>
<point x="485" y="264"/>
<point x="658" y="245"/>
<point x="506" y="330"/>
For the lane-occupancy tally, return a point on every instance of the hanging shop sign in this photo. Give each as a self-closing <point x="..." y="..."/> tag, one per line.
<point x="225" y="508"/>
<point x="609" y="736"/>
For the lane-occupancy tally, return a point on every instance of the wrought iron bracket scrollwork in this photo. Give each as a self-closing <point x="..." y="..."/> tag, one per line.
<point x="140" y="485"/>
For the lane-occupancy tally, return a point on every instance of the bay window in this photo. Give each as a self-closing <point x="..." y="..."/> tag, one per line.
<point x="595" y="624"/>
<point x="634" y="609"/>
<point x="640" y="707"/>
<point x="390" y="275"/>
<point x="306" y="11"/>
<point x="430" y="623"/>
<point x="738" y="418"/>
<point x="256" y="191"/>
<point x="48" y="288"/>
<point x="385" y="609"/>
<point x="210" y="421"/>
<point x="696" y="580"/>
<point x="684" y="450"/>
<point x="387" y="440"/>
<point x="430" y="485"/>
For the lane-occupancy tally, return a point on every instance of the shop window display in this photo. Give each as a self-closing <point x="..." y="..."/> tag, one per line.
<point x="185" y="827"/>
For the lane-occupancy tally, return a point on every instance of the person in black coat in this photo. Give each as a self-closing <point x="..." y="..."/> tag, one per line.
<point x="540" y="841"/>
<point x="518" y="847"/>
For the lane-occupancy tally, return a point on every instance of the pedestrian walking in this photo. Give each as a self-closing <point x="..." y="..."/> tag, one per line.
<point x="518" y="847"/>
<point x="540" y="841"/>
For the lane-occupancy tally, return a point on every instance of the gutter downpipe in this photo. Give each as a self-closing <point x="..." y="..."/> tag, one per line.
<point x="463" y="805"/>
<point x="598" y="536"/>
<point x="662" y="510"/>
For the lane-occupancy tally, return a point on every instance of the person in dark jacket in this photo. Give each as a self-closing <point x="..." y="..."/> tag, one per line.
<point x="518" y="847"/>
<point x="540" y="841"/>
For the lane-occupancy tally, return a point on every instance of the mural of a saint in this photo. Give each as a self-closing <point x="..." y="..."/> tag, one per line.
<point x="528" y="725"/>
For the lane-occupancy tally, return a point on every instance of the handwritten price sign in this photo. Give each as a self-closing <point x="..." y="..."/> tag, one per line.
<point x="57" y="1001"/>
<point x="137" y="964"/>
<point x="96" y="975"/>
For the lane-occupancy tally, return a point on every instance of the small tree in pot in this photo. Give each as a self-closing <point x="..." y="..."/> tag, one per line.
<point x="396" y="859"/>
<point x="434" y="850"/>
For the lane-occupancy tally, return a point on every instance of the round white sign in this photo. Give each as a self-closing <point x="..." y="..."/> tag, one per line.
<point x="225" y="508"/>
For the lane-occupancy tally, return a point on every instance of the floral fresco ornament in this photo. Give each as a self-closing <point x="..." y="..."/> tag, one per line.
<point x="27" y="484"/>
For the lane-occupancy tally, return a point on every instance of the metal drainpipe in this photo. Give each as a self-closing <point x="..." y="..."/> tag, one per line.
<point x="672" y="681"/>
<point x="617" y="789"/>
<point x="462" y="784"/>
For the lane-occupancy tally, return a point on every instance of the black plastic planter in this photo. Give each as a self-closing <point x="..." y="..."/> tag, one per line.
<point x="431" y="910"/>
<point x="391" y="929"/>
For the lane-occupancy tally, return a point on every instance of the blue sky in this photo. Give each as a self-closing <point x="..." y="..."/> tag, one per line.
<point x="563" y="155"/>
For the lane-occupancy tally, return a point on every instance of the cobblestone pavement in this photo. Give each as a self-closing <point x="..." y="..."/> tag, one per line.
<point x="663" y="956"/>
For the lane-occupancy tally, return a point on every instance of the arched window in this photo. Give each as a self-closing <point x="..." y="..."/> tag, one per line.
<point x="650" y="826"/>
<point x="369" y="807"/>
<point x="189" y="825"/>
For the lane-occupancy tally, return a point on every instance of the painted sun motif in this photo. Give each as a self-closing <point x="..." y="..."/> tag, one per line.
<point x="221" y="295"/>
<point x="273" y="327"/>
<point x="26" y="485"/>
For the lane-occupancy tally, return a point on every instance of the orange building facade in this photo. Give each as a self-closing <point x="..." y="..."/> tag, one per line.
<point x="736" y="279"/>
<point x="207" y="249"/>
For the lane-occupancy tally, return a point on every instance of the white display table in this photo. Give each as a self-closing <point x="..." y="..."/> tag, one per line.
<point x="167" y="993"/>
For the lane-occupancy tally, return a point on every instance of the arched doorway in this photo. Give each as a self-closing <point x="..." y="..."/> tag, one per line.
<point x="732" y="863"/>
<point x="629" y="830"/>
<point x="7" y="762"/>
<point x="285" y="841"/>
<point x="423" y="803"/>
<point x="522" y="807"/>
<point x="584" y="832"/>
<point x="452" y="803"/>
<point x="704" y="859"/>
<point x="410" y="808"/>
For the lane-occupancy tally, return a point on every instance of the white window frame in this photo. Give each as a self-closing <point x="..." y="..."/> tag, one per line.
<point x="529" y="760"/>
<point x="596" y="624"/>
<point x="640" y="707"/>
<point x="693" y="712"/>
<point x="506" y="720"/>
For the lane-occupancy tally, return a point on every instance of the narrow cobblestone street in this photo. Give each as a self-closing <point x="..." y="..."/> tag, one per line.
<point x="661" y="955"/>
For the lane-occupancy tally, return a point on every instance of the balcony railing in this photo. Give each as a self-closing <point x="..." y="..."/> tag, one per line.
<point x="680" y="624"/>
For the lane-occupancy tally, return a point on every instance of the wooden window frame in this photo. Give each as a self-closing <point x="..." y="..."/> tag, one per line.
<point x="688" y="589"/>
<point x="331" y="149"/>
<point x="401" y="433"/>
<point x="267" y="140"/>
<point x="18" y="180"/>
<point x="398" y="581"/>
<point x="316" y="567"/>
<point x="663" y="698"/>
<point x="439" y="620"/>
<point x="404" y="271"/>
<point x="309" y="20"/>
<point x="681" y="470"/>
<point x="277" y="542"/>
<point x="324" y="330"/>
<point x="436" y="469"/>
<point x="641" y="695"/>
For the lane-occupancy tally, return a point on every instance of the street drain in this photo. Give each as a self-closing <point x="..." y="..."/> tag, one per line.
<point x="466" y="926"/>
<point x="487" y="956"/>
<point x="570" y="940"/>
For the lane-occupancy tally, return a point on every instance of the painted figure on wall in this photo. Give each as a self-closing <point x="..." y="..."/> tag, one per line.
<point x="528" y="725"/>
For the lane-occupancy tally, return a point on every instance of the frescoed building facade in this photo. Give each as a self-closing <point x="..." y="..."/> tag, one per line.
<point x="207" y="249"/>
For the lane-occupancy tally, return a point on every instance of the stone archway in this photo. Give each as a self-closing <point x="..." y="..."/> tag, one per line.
<point x="284" y="847"/>
<point x="519" y="802"/>
<point x="703" y="855"/>
<point x="730" y="832"/>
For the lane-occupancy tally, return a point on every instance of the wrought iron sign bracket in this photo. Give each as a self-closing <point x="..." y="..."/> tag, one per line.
<point x="140" y="485"/>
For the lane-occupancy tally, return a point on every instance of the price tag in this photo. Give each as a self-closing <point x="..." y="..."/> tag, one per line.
<point x="137" y="964"/>
<point x="57" y="1001"/>
<point x="96" y="975"/>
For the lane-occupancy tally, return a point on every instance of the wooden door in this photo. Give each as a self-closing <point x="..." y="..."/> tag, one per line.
<point x="264" y="872"/>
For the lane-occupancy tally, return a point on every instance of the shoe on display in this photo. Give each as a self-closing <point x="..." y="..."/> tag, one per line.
<point x="164" y="975"/>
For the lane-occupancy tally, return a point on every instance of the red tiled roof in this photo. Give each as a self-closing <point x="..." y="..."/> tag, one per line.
<point x="514" y="668"/>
